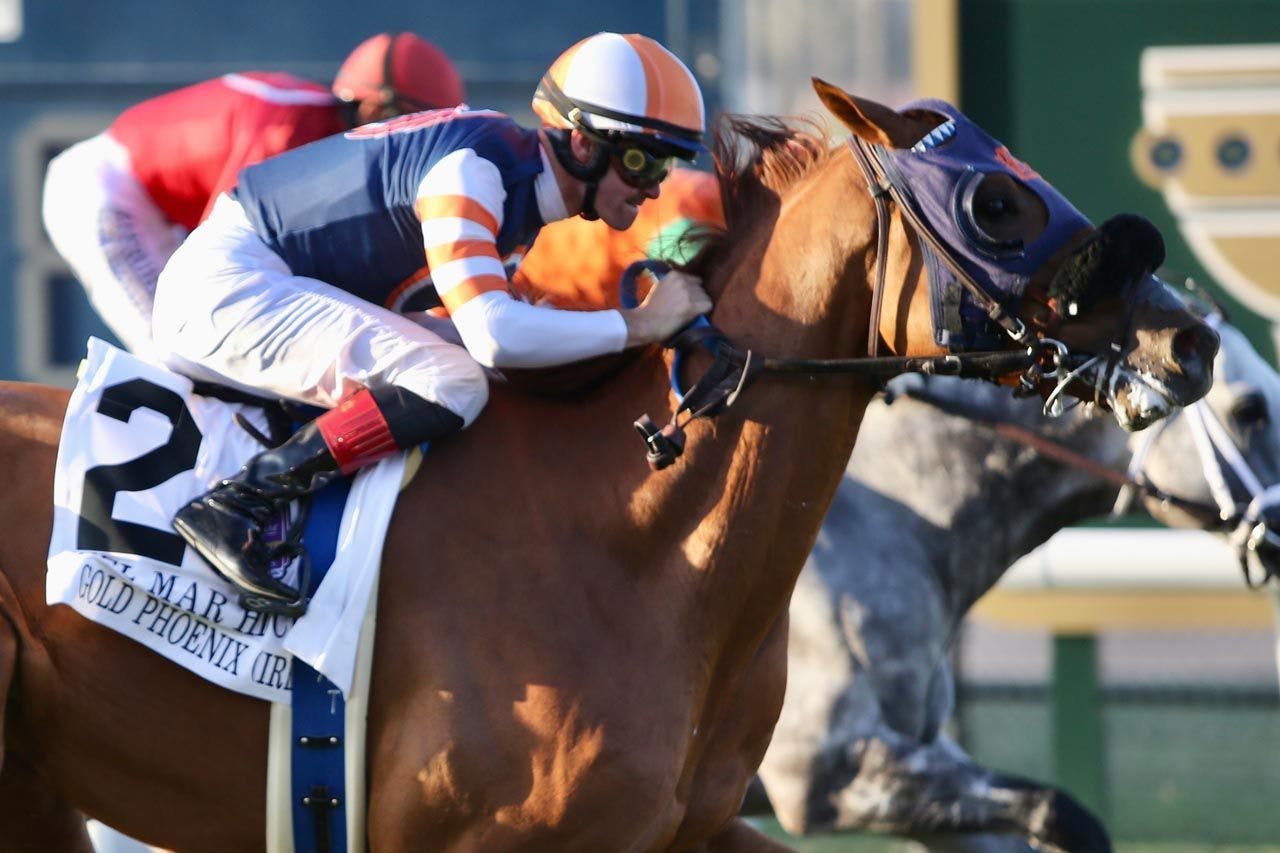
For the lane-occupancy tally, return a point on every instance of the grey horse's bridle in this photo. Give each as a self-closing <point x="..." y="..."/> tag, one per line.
<point x="1246" y="520"/>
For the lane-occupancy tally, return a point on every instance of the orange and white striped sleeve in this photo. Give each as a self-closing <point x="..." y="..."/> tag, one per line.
<point x="460" y="203"/>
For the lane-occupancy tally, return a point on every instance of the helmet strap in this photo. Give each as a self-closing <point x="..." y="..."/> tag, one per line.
<point x="387" y="91"/>
<point x="589" y="173"/>
<point x="348" y="113"/>
<point x="589" y="211"/>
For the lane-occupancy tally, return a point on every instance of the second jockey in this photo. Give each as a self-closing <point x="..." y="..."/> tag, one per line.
<point x="298" y="284"/>
<point x="117" y="205"/>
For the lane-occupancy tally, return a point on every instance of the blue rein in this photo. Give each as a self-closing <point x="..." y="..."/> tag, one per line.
<point x="629" y="298"/>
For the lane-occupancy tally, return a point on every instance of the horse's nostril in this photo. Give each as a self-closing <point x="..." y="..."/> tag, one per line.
<point x="1191" y="342"/>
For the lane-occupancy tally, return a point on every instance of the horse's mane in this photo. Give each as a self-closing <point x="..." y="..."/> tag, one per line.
<point x="757" y="158"/>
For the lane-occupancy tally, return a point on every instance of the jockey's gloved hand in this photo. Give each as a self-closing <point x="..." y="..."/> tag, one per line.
<point x="672" y="303"/>
<point x="629" y="284"/>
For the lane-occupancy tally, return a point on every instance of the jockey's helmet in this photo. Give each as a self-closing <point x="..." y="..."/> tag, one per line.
<point x="399" y="73"/>
<point x="624" y="88"/>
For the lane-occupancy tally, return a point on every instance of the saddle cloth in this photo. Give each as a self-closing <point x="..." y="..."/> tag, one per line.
<point x="136" y="445"/>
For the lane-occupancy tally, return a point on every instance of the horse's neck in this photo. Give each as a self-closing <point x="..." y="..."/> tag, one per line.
<point x="748" y="498"/>
<point x="991" y="499"/>
<point x="780" y="295"/>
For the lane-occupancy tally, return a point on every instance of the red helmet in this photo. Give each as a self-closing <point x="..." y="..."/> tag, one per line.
<point x="401" y="72"/>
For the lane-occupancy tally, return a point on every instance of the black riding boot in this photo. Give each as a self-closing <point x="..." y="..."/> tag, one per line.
<point x="226" y="526"/>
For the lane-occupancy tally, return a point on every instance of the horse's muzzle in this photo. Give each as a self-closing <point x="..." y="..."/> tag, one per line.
<point x="1168" y="362"/>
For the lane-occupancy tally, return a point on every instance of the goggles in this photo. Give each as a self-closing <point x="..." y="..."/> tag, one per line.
<point x="639" y="167"/>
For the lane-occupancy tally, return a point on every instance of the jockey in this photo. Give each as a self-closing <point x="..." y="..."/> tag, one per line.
<point x="298" y="284"/>
<point x="117" y="205"/>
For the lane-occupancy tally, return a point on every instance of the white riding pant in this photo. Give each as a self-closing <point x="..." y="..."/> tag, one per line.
<point x="111" y="233"/>
<point x="229" y="310"/>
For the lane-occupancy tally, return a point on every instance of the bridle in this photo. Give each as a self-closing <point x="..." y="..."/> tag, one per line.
<point x="1245" y="521"/>
<point x="1041" y="359"/>
<point x="883" y="188"/>
<point x="1053" y="362"/>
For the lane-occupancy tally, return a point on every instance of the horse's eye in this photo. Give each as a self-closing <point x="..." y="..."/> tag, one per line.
<point x="998" y="214"/>
<point x="1250" y="411"/>
<point x="994" y="207"/>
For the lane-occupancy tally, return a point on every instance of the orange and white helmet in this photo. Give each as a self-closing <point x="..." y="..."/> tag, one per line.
<point x="626" y="86"/>
<point x="400" y="72"/>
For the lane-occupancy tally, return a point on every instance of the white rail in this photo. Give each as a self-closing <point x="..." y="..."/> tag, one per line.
<point x="1127" y="558"/>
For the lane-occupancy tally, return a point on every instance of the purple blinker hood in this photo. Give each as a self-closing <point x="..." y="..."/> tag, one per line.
<point x="938" y="177"/>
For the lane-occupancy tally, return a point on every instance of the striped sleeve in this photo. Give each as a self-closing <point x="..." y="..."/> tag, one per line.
<point x="460" y="204"/>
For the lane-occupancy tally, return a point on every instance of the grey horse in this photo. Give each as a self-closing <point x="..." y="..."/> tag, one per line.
<point x="932" y="510"/>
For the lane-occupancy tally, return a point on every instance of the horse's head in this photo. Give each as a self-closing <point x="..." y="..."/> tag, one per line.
<point x="1009" y="260"/>
<point x="1218" y="461"/>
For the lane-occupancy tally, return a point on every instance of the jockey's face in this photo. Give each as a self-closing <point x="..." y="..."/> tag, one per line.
<point x="617" y="202"/>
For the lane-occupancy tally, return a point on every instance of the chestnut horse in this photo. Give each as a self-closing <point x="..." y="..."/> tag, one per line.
<point x="574" y="653"/>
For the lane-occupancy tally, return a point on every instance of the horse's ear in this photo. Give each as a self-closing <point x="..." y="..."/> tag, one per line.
<point x="874" y="122"/>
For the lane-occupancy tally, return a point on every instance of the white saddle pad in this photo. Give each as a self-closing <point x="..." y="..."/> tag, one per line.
<point x="136" y="445"/>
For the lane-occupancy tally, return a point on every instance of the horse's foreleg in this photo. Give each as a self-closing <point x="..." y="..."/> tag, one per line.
<point x="738" y="836"/>
<point x="928" y="791"/>
<point x="33" y="817"/>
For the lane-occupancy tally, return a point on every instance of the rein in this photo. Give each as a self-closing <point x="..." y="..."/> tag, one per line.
<point x="733" y="370"/>
<point x="1132" y="479"/>
<point x="1244" y="522"/>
